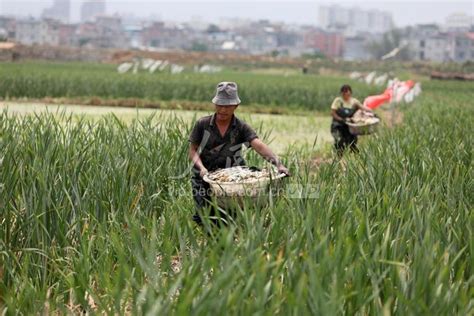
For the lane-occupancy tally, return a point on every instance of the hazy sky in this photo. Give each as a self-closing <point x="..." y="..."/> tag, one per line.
<point x="302" y="12"/>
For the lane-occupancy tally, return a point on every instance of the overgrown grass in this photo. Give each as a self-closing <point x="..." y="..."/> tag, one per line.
<point x="93" y="219"/>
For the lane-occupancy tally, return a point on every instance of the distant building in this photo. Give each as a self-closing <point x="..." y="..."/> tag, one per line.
<point x="67" y="35"/>
<point x="31" y="32"/>
<point x="260" y="43"/>
<point x="436" y="48"/>
<point x="430" y="48"/>
<point x="462" y="47"/>
<point x="331" y="44"/>
<point x="216" y="38"/>
<point x="427" y="42"/>
<point x="134" y="35"/>
<point x="3" y="35"/>
<point x="111" y="33"/>
<point x="353" y="21"/>
<point x="160" y="36"/>
<point x="50" y="32"/>
<point x="152" y="35"/>
<point x="90" y="10"/>
<point x="87" y="33"/>
<point x="356" y="48"/>
<point x="459" y="22"/>
<point x="60" y="11"/>
<point x="291" y="43"/>
<point x="425" y="30"/>
<point x="258" y="37"/>
<point x="105" y="32"/>
<point x="8" y="27"/>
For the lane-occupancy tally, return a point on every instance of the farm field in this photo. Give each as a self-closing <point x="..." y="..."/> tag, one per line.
<point x="95" y="213"/>
<point x="284" y="130"/>
<point x="56" y="80"/>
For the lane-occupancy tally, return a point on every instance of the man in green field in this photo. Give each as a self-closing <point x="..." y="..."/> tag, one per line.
<point x="216" y="142"/>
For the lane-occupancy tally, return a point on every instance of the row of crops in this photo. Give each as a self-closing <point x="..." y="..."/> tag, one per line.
<point x="95" y="217"/>
<point x="36" y="80"/>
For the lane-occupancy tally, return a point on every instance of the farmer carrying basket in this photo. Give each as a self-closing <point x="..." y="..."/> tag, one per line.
<point x="342" y="109"/>
<point x="216" y="143"/>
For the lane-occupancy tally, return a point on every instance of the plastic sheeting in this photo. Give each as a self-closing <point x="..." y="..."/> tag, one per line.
<point x="396" y="92"/>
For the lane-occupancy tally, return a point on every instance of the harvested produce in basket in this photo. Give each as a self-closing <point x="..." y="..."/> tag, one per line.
<point x="238" y="174"/>
<point x="363" y="118"/>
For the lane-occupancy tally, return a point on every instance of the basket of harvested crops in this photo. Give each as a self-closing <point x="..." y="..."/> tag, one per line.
<point x="363" y="123"/>
<point x="233" y="185"/>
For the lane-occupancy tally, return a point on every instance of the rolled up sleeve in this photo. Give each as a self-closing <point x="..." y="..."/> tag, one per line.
<point x="248" y="133"/>
<point x="196" y="134"/>
<point x="335" y="104"/>
<point x="356" y="104"/>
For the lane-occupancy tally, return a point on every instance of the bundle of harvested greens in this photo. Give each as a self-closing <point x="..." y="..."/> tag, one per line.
<point x="363" y="123"/>
<point x="361" y="118"/>
<point x="238" y="174"/>
<point x="231" y="184"/>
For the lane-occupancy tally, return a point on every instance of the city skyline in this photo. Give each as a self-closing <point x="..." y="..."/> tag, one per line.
<point x="59" y="9"/>
<point x="404" y="13"/>
<point x="91" y="9"/>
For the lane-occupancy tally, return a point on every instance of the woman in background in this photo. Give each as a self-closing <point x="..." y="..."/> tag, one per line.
<point x="343" y="108"/>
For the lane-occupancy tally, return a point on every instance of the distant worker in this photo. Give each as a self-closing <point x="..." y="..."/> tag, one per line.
<point x="216" y="142"/>
<point x="342" y="109"/>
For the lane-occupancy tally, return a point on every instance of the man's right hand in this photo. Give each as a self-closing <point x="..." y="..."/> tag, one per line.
<point x="283" y="169"/>
<point x="203" y="172"/>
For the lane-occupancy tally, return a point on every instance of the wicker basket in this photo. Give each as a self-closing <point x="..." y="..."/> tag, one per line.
<point x="356" y="129"/>
<point x="258" y="191"/>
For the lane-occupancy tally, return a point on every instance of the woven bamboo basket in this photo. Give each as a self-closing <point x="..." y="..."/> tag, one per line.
<point x="257" y="191"/>
<point x="357" y="129"/>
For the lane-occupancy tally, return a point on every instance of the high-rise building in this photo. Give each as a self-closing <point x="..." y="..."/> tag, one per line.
<point x="60" y="10"/>
<point x="353" y="21"/>
<point x="90" y="10"/>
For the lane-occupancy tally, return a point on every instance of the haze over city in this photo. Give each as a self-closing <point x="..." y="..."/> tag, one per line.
<point x="300" y="12"/>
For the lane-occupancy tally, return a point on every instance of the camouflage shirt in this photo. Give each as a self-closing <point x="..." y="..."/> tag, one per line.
<point x="221" y="151"/>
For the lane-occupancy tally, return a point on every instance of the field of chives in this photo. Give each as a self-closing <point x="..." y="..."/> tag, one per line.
<point x="95" y="217"/>
<point x="56" y="80"/>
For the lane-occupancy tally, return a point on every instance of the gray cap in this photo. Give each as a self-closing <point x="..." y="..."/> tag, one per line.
<point x="226" y="94"/>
